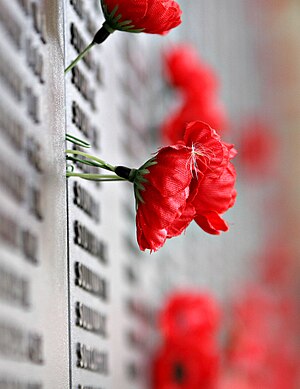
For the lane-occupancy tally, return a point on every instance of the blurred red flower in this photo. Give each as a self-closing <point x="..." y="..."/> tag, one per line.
<point x="263" y="344"/>
<point x="208" y="110"/>
<point x="186" y="365"/>
<point x="189" y="315"/>
<point x="258" y="148"/>
<point x="198" y="84"/>
<point x="182" y="66"/>
<point x="169" y="188"/>
<point x="153" y="17"/>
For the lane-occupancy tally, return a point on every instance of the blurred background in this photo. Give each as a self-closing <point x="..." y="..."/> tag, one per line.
<point x="204" y="311"/>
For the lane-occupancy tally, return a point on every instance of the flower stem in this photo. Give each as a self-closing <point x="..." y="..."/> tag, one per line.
<point x="79" y="57"/>
<point x="77" y="141"/>
<point x="102" y="164"/>
<point x="95" y="177"/>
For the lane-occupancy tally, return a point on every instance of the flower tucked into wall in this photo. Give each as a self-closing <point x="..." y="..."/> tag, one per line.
<point x="198" y="84"/>
<point x="152" y="17"/>
<point x="191" y="180"/>
<point x="263" y="343"/>
<point x="189" y="357"/>
<point x="188" y="364"/>
<point x="258" y="148"/>
<point x="189" y="314"/>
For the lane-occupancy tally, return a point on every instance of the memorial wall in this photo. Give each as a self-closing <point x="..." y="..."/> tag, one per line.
<point x="78" y="299"/>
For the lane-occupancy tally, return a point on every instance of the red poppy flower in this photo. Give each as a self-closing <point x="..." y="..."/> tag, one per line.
<point x="153" y="17"/>
<point x="198" y="84"/>
<point x="205" y="108"/>
<point x="170" y="187"/>
<point x="258" y="148"/>
<point x="185" y="70"/>
<point x="186" y="365"/>
<point x="189" y="314"/>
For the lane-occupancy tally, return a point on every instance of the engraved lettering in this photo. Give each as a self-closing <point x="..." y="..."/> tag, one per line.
<point x="82" y="85"/>
<point x="12" y="383"/>
<point x="33" y="105"/>
<point x="19" y="344"/>
<point x="11" y="27"/>
<point x="91" y="359"/>
<point x="86" y="279"/>
<point x="39" y="20"/>
<point x="84" y="200"/>
<point x="85" y="239"/>
<point x="11" y="129"/>
<point x="33" y="152"/>
<point x="25" y="5"/>
<point x="85" y="168"/>
<point x="90" y="320"/>
<point x="34" y="60"/>
<point x="13" y="288"/>
<point x="35" y="205"/>
<point x="82" y="122"/>
<point x="11" y="79"/>
<point x="88" y="387"/>
<point x="79" y="45"/>
<point x="78" y="7"/>
<point x="12" y="181"/>
<point x="29" y="246"/>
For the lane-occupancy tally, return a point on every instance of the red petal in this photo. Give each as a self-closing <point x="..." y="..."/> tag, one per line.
<point x="149" y="238"/>
<point x="171" y="174"/>
<point x="216" y="194"/>
<point x="182" y="222"/>
<point x="211" y="223"/>
<point x="158" y="211"/>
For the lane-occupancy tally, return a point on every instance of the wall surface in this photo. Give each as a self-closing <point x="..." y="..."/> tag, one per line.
<point x="77" y="297"/>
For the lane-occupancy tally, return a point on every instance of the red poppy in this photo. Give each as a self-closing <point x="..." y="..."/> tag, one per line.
<point x="185" y="70"/>
<point x="154" y="17"/>
<point x="198" y="84"/>
<point x="205" y="108"/>
<point x="186" y="365"/>
<point x="189" y="314"/>
<point x="170" y="187"/>
<point x="258" y="148"/>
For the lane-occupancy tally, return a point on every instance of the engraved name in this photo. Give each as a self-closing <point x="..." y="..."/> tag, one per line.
<point x="18" y="237"/>
<point x="34" y="60"/>
<point x="11" y="27"/>
<point x="78" y="7"/>
<point x="14" y="288"/>
<point x="90" y="281"/>
<point x="82" y="85"/>
<point x="83" y="167"/>
<point x="12" y="383"/>
<point x="90" y="320"/>
<point x="91" y="359"/>
<point x="19" y="344"/>
<point x="12" y="181"/>
<point x="84" y="200"/>
<point x="88" y="387"/>
<point x="11" y="129"/>
<point x="82" y="122"/>
<point x="33" y="153"/>
<point x="85" y="239"/>
<point x="79" y="45"/>
<point x="32" y="104"/>
<point x="11" y="79"/>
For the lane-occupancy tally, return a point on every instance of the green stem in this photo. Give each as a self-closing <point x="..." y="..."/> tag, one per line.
<point x="77" y="141"/>
<point x="95" y="177"/>
<point x="103" y="164"/>
<point x="79" y="57"/>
